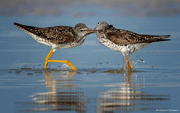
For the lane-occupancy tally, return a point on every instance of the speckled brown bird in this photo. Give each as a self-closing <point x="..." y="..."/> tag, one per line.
<point x="124" y="41"/>
<point x="58" y="37"/>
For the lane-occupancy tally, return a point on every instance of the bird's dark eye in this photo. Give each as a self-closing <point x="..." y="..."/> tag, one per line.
<point x="81" y="30"/>
<point x="98" y="22"/>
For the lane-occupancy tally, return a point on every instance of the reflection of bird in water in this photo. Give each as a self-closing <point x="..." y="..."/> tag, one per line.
<point x="63" y="95"/>
<point x="58" y="37"/>
<point x="124" y="41"/>
<point x="128" y="95"/>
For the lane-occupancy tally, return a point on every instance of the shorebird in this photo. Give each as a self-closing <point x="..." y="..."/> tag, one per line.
<point x="124" y="41"/>
<point x="58" y="37"/>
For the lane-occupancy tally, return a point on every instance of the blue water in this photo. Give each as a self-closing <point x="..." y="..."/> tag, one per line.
<point x="99" y="85"/>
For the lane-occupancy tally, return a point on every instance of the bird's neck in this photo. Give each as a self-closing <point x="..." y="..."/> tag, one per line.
<point x="100" y="34"/>
<point x="80" y="39"/>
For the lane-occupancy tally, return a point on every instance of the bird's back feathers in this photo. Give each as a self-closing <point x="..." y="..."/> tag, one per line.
<point x="56" y="35"/>
<point x="124" y="37"/>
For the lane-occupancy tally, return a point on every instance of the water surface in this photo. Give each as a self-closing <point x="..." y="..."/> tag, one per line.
<point x="99" y="85"/>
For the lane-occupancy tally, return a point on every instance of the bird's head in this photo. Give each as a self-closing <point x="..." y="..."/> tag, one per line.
<point x="82" y="30"/>
<point x="101" y="26"/>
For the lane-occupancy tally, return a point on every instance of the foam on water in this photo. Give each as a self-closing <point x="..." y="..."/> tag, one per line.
<point x="129" y="64"/>
<point x="65" y="67"/>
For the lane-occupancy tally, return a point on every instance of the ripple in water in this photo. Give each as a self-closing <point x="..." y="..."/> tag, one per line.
<point x="129" y="64"/>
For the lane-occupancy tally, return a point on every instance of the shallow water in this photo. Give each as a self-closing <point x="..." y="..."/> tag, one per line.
<point x="99" y="85"/>
<point x="89" y="90"/>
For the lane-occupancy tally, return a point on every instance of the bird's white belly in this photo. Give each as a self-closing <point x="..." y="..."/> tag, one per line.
<point x="125" y="49"/>
<point x="67" y="45"/>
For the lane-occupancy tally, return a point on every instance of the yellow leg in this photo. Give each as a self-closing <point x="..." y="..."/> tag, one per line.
<point x="47" y="58"/>
<point x="66" y="62"/>
<point x="128" y="64"/>
<point x="61" y="61"/>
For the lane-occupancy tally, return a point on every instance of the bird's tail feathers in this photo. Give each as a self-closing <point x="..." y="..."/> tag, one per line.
<point x="164" y="36"/>
<point x="25" y="28"/>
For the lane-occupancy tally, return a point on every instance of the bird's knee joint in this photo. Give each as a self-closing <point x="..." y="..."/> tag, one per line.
<point x="67" y="61"/>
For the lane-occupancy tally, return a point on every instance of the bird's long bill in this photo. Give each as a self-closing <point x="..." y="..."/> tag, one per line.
<point x="90" y="31"/>
<point x="96" y="29"/>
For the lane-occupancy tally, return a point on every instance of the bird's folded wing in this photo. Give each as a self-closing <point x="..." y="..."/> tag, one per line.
<point x="59" y="35"/>
<point x="124" y="37"/>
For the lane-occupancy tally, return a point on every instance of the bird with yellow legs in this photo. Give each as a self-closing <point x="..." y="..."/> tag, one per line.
<point x="124" y="41"/>
<point x="58" y="37"/>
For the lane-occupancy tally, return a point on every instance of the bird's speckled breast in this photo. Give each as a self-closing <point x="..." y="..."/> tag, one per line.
<point x="102" y="39"/>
